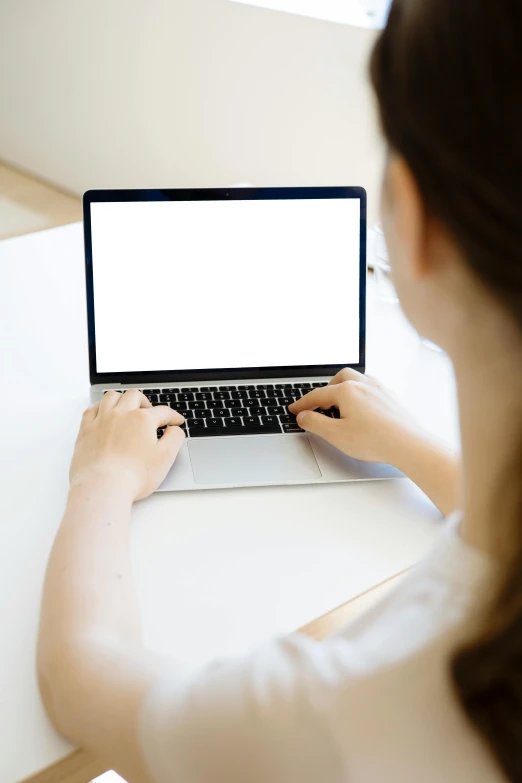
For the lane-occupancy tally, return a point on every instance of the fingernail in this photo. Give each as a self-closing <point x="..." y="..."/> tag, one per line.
<point x="300" y="417"/>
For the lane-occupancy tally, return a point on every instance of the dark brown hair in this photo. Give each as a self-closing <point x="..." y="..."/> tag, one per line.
<point x="448" y="79"/>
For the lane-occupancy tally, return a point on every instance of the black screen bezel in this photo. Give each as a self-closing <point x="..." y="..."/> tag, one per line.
<point x="205" y="194"/>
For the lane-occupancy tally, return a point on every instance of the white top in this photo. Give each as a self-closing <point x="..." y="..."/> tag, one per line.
<point x="372" y="704"/>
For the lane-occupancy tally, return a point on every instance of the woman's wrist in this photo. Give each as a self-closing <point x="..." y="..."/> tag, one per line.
<point x="434" y="467"/>
<point x="404" y="446"/>
<point x="103" y="480"/>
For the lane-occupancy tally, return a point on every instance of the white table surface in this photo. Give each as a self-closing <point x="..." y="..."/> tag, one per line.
<point x="247" y="563"/>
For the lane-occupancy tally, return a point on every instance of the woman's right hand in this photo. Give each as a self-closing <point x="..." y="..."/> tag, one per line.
<point x="373" y="426"/>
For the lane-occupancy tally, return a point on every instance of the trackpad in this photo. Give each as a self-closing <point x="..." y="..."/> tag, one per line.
<point x="253" y="460"/>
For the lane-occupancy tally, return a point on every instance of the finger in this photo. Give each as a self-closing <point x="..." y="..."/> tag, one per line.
<point x="109" y="400"/>
<point x="317" y="423"/>
<point x="164" y="416"/>
<point x="347" y="374"/>
<point x="90" y="414"/>
<point x="133" y="399"/>
<point x="167" y="450"/>
<point x="324" y="397"/>
<point x="170" y="444"/>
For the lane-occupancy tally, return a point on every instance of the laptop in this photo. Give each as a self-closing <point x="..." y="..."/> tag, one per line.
<point x="227" y="305"/>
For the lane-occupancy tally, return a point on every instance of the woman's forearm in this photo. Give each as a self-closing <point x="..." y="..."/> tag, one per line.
<point x="434" y="468"/>
<point x="88" y="587"/>
<point x="88" y="598"/>
<point x="93" y="669"/>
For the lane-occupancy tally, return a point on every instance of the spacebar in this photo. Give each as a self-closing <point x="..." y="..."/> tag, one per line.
<point x="206" y="432"/>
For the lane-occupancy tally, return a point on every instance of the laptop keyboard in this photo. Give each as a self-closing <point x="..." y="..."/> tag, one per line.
<point x="260" y="409"/>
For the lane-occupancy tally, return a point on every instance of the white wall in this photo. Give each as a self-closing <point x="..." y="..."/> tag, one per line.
<point x="178" y="93"/>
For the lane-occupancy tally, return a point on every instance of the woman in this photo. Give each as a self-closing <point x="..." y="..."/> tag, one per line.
<point x="427" y="686"/>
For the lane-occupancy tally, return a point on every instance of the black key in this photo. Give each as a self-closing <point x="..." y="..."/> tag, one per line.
<point x="258" y="412"/>
<point x="196" y="423"/>
<point x="172" y="391"/>
<point x="221" y="413"/>
<point x="185" y="396"/>
<point x="196" y="404"/>
<point x="230" y="403"/>
<point x="269" y="420"/>
<point x="256" y="393"/>
<point x="178" y="406"/>
<point x="251" y="402"/>
<point x="183" y="426"/>
<point x="154" y="404"/>
<point x="238" y="412"/>
<point x="336" y="413"/>
<point x="329" y="412"/>
<point x="294" y="427"/>
<point x="278" y="393"/>
<point x="264" y="429"/>
<point x="318" y="385"/>
<point x="240" y="395"/>
<point x="271" y="401"/>
<point x="189" y="389"/>
<point x="227" y="388"/>
<point x="167" y="397"/>
<point x="302" y="385"/>
<point x="203" y="396"/>
<point x="288" y="418"/>
<point x="234" y="421"/>
<point x="215" y="422"/>
<point x="265" y="386"/>
<point x="285" y="401"/>
<point x="203" y="414"/>
<point x="151" y="391"/>
<point x="188" y="414"/>
<point x="283" y="385"/>
<point x="221" y="395"/>
<point x="279" y="411"/>
<point x="152" y="397"/>
<point x="208" y="388"/>
<point x="246" y="387"/>
<point x="252" y="420"/>
<point x="160" y="433"/>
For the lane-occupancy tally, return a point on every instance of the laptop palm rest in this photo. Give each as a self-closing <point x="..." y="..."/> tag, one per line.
<point x="253" y="460"/>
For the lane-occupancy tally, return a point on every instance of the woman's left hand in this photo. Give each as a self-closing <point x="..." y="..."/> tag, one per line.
<point x="118" y="438"/>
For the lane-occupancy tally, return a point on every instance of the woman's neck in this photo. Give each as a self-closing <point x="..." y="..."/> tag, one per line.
<point x="490" y="406"/>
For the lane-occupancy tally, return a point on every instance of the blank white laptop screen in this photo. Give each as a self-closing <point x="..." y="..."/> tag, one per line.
<point x="182" y="285"/>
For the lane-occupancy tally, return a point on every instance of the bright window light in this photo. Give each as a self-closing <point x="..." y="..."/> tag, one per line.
<point x="363" y="13"/>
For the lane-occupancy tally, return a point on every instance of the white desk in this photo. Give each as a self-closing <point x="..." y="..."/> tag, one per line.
<point x="246" y="563"/>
